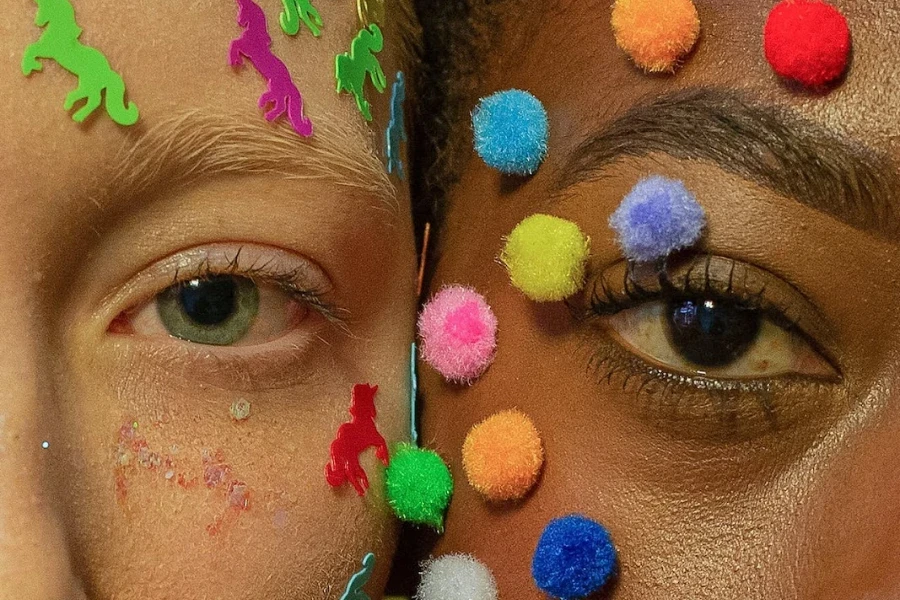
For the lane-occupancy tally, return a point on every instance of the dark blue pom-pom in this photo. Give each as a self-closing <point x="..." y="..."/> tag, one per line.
<point x="575" y="557"/>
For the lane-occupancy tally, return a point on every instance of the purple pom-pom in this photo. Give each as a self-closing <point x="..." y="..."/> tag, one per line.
<point x="657" y="217"/>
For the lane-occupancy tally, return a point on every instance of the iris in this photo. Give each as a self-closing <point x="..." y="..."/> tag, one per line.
<point x="712" y="333"/>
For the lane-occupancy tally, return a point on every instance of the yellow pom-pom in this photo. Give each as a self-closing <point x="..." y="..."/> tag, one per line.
<point x="503" y="455"/>
<point x="545" y="257"/>
<point x="655" y="33"/>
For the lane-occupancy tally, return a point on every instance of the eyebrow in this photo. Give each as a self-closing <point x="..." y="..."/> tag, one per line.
<point x="194" y="145"/>
<point x="766" y="145"/>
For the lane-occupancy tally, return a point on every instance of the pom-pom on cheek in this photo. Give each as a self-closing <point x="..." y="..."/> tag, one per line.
<point x="807" y="41"/>
<point x="419" y="486"/>
<point x="459" y="334"/>
<point x="503" y="455"/>
<point x="655" y="33"/>
<point x="575" y="557"/>
<point x="546" y="257"/>
<point x="456" y="577"/>
<point x="657" y="217"/>
<point x="511" y="131"/>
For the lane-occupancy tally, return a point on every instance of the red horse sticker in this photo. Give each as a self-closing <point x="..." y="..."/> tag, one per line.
<point x="353" y="438"/>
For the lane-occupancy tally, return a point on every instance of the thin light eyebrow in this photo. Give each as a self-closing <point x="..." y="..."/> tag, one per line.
<point x="763" y="144"/>
<point x="194" y="145"/>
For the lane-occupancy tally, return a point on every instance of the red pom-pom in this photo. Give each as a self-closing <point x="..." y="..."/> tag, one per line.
<point x="807" y="41"/>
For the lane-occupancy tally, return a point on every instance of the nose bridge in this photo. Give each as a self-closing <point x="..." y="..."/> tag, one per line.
<point x="34" y="561"/>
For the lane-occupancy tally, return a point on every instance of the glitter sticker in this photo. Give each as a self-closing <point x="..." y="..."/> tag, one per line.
<point x="356" y="584"/>
<point x="351" y="68"/>
<point x="413" y="393"/>
<point x="370" y="12"/>
<point x="296" y="11"/>
<point x="255" y="45"/>
<point x="353" y="438"/>
<point x="60" y="42"/>
<point x="395" y="134"/>
<point x="240" y="410"/>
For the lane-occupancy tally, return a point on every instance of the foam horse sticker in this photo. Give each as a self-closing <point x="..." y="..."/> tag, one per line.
<point x="355" y="586"/>
<point x="59" y="41"/>
<point x="351" y="68"/>
<point x="353" y="438"/>
<point x="395" y="134"/>
<point x="255" y="45"/>
<point x="297" y="10"/>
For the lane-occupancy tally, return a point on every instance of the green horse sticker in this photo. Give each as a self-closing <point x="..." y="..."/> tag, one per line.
<point x="351" y="68"/>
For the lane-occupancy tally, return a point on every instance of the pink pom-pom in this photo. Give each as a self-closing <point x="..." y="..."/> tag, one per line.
<point x="459" y="334"/>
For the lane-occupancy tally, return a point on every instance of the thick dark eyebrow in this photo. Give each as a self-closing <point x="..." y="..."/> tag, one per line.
<point x="767" y="145"/>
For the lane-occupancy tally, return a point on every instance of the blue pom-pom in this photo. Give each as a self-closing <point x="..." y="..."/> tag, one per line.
<point x="657" y="217"/>
<point x="575" y="557"/>
<point x="511" y="131"/>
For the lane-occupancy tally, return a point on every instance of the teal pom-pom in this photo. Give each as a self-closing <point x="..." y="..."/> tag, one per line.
<point x="419" y="486"/>
<point x="511" y="131"/>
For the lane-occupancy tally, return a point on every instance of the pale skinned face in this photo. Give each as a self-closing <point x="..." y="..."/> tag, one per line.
<point x="210" y="507"/>
<point x="708" y="494"/>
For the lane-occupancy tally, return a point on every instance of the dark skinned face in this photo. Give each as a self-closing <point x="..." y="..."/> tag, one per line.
<point x="772" y="474"/>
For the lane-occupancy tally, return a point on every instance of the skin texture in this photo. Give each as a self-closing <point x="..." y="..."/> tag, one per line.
<point x="86" y="519"/>
<point x="706" y="494"/>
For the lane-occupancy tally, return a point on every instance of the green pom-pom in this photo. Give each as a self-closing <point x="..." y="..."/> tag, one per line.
<point x="545" y="256"/>
<point x="419" y="485"/>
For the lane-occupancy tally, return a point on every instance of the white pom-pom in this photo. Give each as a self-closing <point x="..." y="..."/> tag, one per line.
<point x="456" y="577"/>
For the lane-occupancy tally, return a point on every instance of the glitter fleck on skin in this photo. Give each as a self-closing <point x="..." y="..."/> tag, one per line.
<point x="240" y="410"/>
<point x="45" y="445"/>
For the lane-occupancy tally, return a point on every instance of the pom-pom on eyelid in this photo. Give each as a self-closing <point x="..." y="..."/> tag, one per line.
<point x="511" y="131"/>
<point x="657" y="217"/>
<point x="456" y="577"/>
<point x="575" y="557"/>
<point x="807" y="41"/>
<point x="655" y="33"/>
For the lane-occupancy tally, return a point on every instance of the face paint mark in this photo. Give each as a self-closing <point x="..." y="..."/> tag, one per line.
<point x="296" y="11"/>
<point x="133" y="454"/>
<point x="96" y="79"/>
<point x="280" y="519"/>
<point x="395" y="134"/>
<point x="215" y="471"/>
<point x="355" y="586"/>
<point x="353" y="438"/>
<point x="255" y="45"/>
<point x="351" y="68"/>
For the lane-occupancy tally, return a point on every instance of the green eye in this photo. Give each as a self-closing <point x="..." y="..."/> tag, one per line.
<point x="218" y="310"/>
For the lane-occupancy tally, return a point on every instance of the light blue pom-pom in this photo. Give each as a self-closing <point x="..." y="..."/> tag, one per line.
<point x="511" y="131"/>
<point x="575" y="557"/>
<point x="657" y="217"/>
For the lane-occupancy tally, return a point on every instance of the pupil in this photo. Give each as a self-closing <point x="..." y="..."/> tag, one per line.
<point x="210" y="301"/>
<point x="712" y="333"/>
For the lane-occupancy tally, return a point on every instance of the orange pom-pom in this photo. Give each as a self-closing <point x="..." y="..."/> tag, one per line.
<point x="503" y="455"/>
<point x="655" y="33"/>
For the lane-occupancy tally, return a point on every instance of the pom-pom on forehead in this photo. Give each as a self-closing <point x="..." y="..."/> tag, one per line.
<point x="546" y="257"/>
<point x="459" y="334"/>
<point x="419" y="486"/>
<point x="575" y="557"/>
<point x="655" y="33"/>
<point x="456" y="577"/>
<point x="511" y="131"/>
<point x="657" y="217"/>
<point x="807" y="41"/>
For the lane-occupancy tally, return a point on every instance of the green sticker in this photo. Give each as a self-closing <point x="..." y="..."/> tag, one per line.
<point x="59" y="42"/>
<point x="297" y="10"/>
<point x="351" y="68"/>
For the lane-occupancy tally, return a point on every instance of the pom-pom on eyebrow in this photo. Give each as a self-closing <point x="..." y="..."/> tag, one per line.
<point x="418" y="486"/>
<point x="807" y="41"/>
<point x="546" y="257"/>
<point x="511" y="131"/>
<point x="459" y="334"/>
<point x="575" y="557"/>
<point x="456" y="577"/>
<point x="655" y="33"/>
<point x="657" y="217"/>
<point x="503" y="455"/>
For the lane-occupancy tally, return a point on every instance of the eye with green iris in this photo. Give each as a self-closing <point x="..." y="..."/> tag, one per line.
<point x="217" y="310"/>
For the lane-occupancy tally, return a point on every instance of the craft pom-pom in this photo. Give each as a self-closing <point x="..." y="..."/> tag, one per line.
<point x="511" y="129"/>
<point x="657" y="217"/>
<point x="807" y="41"/>
<point x="503" y="455"/>
<point x="419" y="486"/>
<point x="575" y="557"/>
<point x="546" y="257"/>
<point x="655" y="33"/>
<point x="456" y="577"/>
<point x="459" y="334"/>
